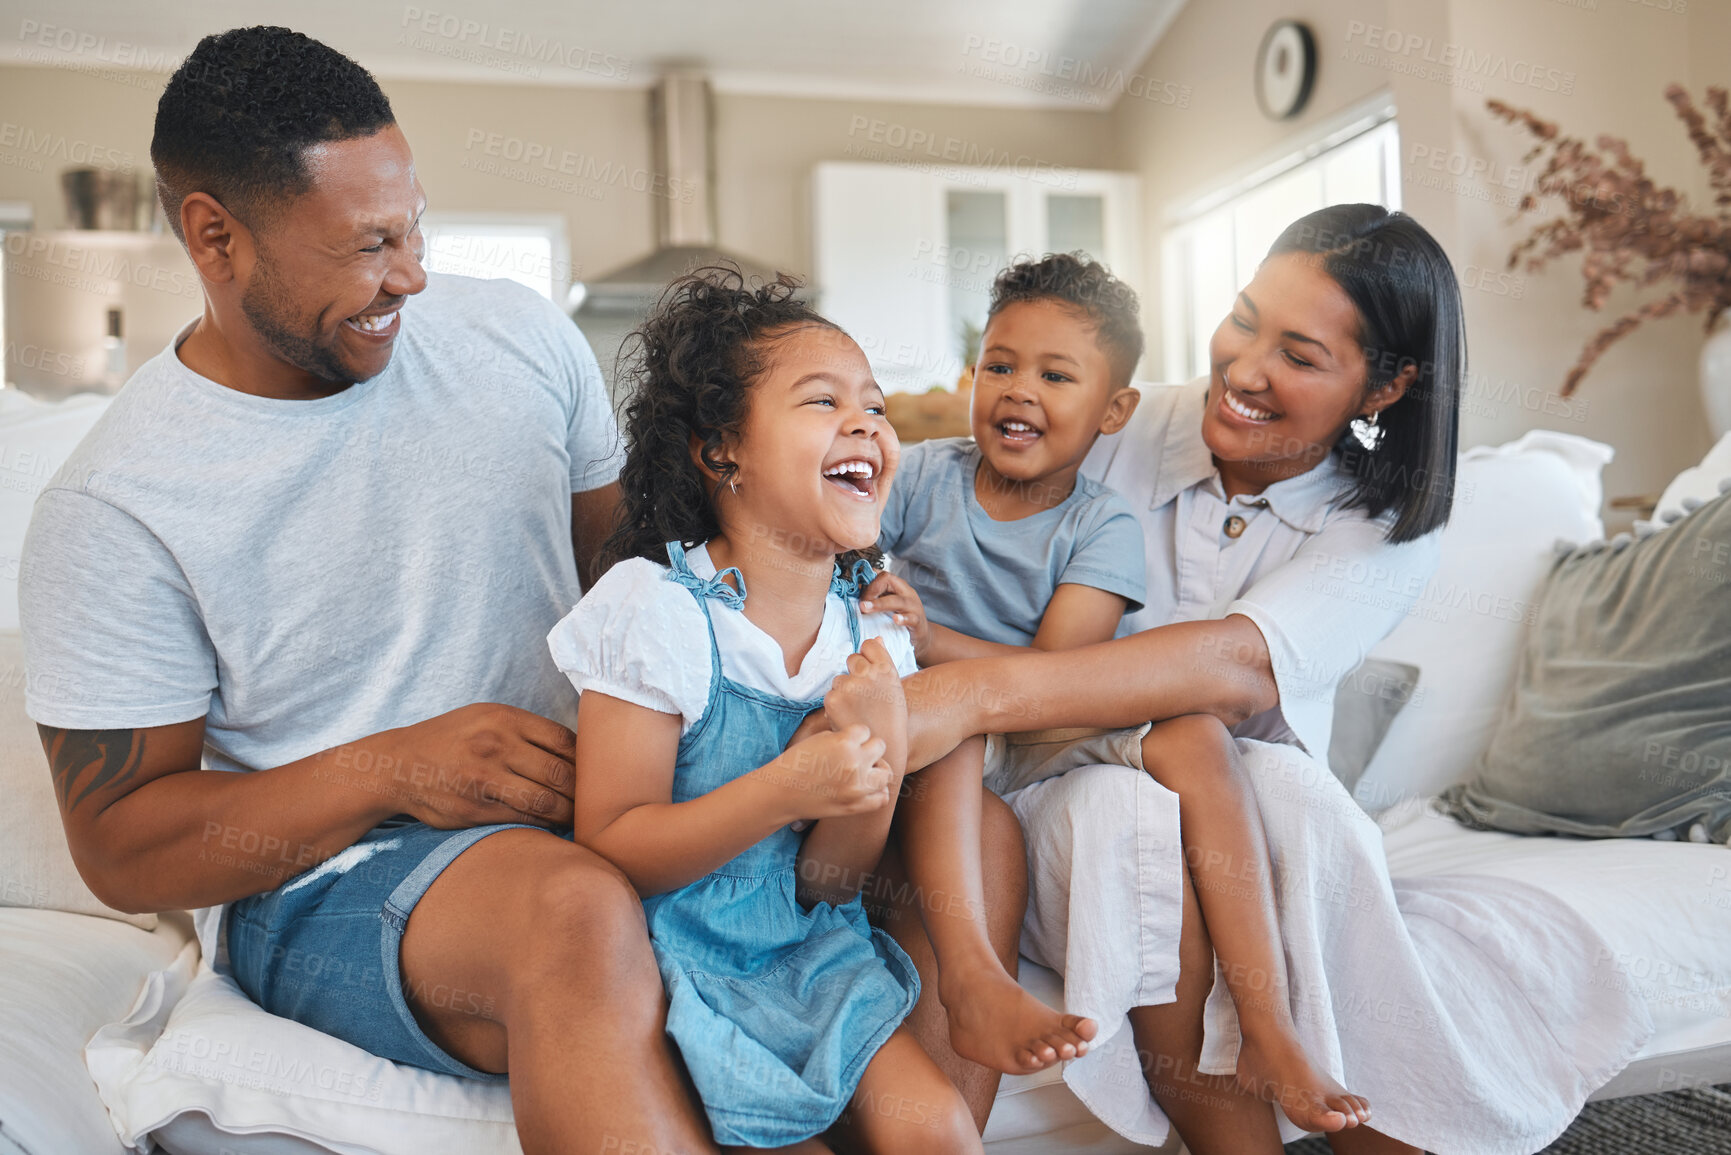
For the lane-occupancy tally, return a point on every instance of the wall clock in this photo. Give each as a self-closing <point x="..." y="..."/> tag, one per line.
<point x="1285" y="69"/>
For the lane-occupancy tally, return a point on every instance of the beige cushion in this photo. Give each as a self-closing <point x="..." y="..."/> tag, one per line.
<point x="35" y="865"/>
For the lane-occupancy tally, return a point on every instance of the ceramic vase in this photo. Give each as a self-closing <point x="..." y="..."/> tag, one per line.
<point x="1716" y="377"/>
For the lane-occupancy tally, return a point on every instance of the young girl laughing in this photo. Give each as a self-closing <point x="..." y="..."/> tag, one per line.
<point x="758" y="460"/>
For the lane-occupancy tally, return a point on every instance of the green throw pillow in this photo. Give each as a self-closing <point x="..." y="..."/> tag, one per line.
<point x="1620" y="722"/>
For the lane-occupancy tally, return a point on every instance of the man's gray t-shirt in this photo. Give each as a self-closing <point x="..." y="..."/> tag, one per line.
<point x="993" y="579"/>
<point x="305" y="573"/>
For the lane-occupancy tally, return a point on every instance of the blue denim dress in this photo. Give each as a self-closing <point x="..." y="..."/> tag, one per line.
<point x="775" y="1009"/>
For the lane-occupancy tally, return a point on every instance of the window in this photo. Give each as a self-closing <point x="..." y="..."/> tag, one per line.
<point x="1215" y="243"/>
<point x="528" y="248"/>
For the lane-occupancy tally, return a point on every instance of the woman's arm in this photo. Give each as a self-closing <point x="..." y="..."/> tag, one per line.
<point x="623" y="797"/>
<point x="1286" y="641"/>
<point x="1215" y="666"/>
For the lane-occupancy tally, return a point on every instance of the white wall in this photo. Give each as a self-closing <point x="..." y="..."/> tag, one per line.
<point x="1619" y="54"/>
<point x="1614" y="57"/>
<point x="463" y="134"/>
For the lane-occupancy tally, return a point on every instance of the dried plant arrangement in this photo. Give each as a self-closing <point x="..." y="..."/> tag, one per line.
<point x="1628" y="228"/>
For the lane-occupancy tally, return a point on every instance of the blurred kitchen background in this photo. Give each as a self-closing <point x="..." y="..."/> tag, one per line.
<point x="895" y="155"/>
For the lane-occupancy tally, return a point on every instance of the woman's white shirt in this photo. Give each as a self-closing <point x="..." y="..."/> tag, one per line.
<point x="641" y="638"/>
<point x="1458" y="958"/>
<point x="1318" y="579"/>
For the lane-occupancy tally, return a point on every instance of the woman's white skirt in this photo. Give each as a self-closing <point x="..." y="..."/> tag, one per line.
<point x="1469" y="1010"/>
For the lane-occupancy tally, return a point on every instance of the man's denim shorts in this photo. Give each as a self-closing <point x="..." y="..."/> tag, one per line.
<point x="323" y="948"/>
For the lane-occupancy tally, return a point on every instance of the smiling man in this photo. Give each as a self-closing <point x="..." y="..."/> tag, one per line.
<point x="284" y="614"/>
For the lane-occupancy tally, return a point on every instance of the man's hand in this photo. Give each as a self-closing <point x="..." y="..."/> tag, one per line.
<point x="476" y="765"/>
<point x="889" y="594"/>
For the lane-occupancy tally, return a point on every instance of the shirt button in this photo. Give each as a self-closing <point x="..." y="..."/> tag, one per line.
<point x="1234" y="526"/>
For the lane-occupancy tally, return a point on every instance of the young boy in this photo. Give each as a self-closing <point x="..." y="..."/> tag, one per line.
<point x="1011" y="547"/>
<point x="998" y="542"/>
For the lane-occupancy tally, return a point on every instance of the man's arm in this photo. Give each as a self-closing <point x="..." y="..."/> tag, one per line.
<point x="150" y="831"/>
<point x="593" y="516"/>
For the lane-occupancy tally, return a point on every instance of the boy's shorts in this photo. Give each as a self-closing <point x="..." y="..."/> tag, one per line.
<point x="1017" y="760"/>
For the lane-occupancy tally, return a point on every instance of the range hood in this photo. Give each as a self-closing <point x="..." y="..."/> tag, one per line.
<point x="680" y="110"/>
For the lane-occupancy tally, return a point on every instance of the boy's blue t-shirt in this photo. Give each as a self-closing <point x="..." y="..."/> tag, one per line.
<point x="993" y="579"/>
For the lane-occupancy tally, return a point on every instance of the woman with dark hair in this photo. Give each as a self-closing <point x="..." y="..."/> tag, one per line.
<point x="1292" y="501"/>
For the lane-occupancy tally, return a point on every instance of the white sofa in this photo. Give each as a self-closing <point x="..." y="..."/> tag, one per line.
<point x="178" y="1056"/>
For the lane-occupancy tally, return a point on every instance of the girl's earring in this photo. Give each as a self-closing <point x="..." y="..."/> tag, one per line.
<point x="1368" y="431"/>
<point x="733" y="484"/>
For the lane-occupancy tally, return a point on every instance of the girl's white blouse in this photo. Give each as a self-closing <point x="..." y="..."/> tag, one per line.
<point x="1319" y="580"/>
<point x="641" y="638"/>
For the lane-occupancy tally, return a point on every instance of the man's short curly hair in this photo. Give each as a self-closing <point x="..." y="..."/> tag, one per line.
<point x="1083" y="284"/>
<point x="242" y="109"/>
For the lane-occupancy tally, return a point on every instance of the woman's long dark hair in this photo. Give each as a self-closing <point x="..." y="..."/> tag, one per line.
<point x="689" y="367"/>
<point x="1409" y="309"/>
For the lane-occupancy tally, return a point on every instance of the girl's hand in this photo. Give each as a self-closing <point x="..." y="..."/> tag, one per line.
<point x="816" y="722"/>
<point x="870" y="695"/>
<point x="830" y="775"/>
<point x="889" y="594"/>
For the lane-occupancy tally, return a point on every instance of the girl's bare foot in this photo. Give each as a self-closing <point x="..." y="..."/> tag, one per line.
<point x="995" y="1023"/>
<point x="1282" y="1075"/>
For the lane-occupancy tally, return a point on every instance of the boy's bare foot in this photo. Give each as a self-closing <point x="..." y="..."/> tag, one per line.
<point x="1284" y="1076"/>
<point x="870" y="694"/>
<point x="995" y="1023"/>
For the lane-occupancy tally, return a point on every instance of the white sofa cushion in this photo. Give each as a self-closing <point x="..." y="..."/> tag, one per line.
<point x="213" y="1052"/>
<point x="36" y="867"/>
<point x="1698" y="483"/>
<point x="1663" y="908"/>
<point x="62" y="976"/>
<point x="1513" y="503"/>
<point x="35" y="437"/>
<point x="208" y="1071"/>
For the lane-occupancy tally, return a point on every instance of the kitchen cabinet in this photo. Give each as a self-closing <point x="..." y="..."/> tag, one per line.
<point x="905" y="253"/>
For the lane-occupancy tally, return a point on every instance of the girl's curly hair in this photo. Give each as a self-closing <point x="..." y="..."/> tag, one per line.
<point x="689" y="367"/>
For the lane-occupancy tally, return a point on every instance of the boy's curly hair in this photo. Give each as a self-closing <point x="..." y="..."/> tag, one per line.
<point x="1084" y="284"/>
<point x="690" y="366"/>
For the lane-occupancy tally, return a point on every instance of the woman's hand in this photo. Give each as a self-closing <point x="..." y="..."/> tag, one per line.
<point x="889" y="594"/>
<point x="830" y="775"/>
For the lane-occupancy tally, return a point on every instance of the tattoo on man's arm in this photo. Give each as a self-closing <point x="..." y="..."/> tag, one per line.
<point x="86" y="761"/>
